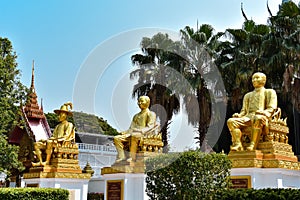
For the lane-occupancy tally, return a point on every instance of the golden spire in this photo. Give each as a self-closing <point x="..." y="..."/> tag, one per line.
<point x="32" y="78"/>
<point x="32" y="108"/>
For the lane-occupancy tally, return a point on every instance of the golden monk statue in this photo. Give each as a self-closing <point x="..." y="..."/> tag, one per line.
<point x="142" y="123"/>
<point x="64" y="131"/>
<point x="258" y="107"/>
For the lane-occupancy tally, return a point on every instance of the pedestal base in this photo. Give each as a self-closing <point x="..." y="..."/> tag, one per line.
<point x="125" y="167"/>
<point x="268" y="177"/>
<point x="125" y="186"/>
<point x="263" y="159"/>
<point x="78" y="188"/>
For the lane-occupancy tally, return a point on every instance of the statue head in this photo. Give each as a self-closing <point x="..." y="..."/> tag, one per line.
<point x="64" y="109"/>
<point x="144" y="102"/>
<point x="259" y="79"/>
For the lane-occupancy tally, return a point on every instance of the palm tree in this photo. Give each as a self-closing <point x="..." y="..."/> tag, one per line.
<point x="153" y="72"/>
<point x="273" y="49"/>
<point x="240" y="57"/>
<point x="200" y="47"/>
<point x="283" y="51"/>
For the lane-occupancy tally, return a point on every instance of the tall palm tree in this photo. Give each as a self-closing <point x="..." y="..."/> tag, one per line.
<point x="273" y="49"/>
<point x="153" y="72"/>
<point x="283" y="51"/>
<point x="240" y="57"/>
<point x="199" y="46"/>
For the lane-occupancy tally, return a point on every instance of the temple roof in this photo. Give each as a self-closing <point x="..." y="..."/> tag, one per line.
<point x="32" y="118"/>
<point x="32" y="108"/>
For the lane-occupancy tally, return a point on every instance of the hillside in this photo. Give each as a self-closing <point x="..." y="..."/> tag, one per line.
<point x="85" y="122"/>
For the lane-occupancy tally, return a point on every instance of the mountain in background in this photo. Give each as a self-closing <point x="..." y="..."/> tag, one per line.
<point x="84" y="122"/>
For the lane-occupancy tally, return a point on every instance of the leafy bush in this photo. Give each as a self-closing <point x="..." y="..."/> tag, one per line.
<point x="188" y="175"/>
<point x="261" y="194"/>
<point x="34" y="194"/>
<point x="95" y="196"/>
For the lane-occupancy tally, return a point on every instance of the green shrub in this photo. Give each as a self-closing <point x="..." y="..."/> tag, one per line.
<point x="95" y="196"/>
<point x="258" y="194"/>
<point x="34" y="194"/>
<point x="188" y="175"/>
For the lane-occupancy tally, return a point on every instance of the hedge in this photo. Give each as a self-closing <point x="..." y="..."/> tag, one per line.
<point x="95" y="196"/>
<point x="187" y="175"/>
<point x="258" y="194"/>
<point x="34" y="194"/>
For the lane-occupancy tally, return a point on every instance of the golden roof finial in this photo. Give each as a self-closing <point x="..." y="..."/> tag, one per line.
<point x="32" y="78"/>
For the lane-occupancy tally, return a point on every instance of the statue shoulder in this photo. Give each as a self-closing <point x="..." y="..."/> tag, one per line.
<point x="151" y="114"/>
<point x="247" y="95"/>
<point x="70" y="124"/>
<point x="270" y="91"/>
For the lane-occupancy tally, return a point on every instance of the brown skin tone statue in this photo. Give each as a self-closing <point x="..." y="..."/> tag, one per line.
<point x="258" y="107"/>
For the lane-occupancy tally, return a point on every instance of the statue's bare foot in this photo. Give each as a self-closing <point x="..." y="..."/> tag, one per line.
<point x="120" y="160"/>
<point x="251" y="147"/>
<point x="45" y="163"/>
<point x="130" y="160"/>
<point x="38" y="164"/>
<point x="237" y="147"/>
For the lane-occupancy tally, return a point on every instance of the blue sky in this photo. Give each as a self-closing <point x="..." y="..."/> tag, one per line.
<point x="62" y="36"/>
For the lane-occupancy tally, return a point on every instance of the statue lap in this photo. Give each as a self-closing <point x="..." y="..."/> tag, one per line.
<point x="276" y="129"/>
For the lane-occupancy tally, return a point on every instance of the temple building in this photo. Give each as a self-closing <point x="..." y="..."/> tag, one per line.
<point x="32" y="126"/>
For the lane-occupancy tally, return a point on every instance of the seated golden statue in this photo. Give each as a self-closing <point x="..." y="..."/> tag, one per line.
<point x="63" y="133"/>
<point x="257" y="110"/>
<point x="143" y="126"/>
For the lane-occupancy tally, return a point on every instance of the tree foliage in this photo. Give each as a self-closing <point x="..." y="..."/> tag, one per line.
<point x="188" y="175"/>
<point x="12" y="92"/>
<point x="153" y="70"/>
<point x="200" y="46"/>
<point x="9" y="157"/>
<point x="271" y="48"/>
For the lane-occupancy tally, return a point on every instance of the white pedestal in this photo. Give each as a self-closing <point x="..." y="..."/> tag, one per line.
<point x="270" y="177"/>
<point x="133" y="185"/>
<point x="78" y="188"/>
<point x="97" y="185"/>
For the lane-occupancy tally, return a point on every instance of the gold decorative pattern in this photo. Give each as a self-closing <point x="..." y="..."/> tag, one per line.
<point x="56" y="175"/>
<point x="122" y="169"/>
<point x="152" y="144"/>
<point x="63" y="164"/>
<point x="273" y="150"/>
<point x="148" y="147"/>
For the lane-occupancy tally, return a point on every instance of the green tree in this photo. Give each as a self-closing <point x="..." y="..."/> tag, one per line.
<point x="273" y="49"/>
<point x="52" y="119"/>
<point x="153" y="72"/>
<point x="199" y="49"/>
<point x="282" y="50"/>
<point x="240" y="57"/>
<point x="188" y="175"/>
<point x="12" y="93"/>
<point x="9" y="157"/>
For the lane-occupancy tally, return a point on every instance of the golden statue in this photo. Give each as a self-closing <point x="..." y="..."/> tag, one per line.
<point x="257" y="110"/>
<point x="63" y="132"/>
<point x="142" y="123"/>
